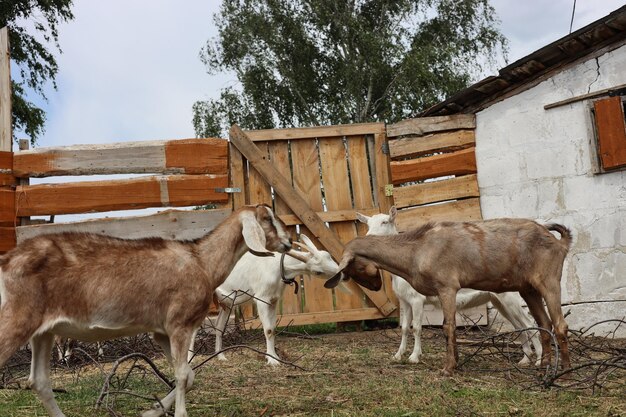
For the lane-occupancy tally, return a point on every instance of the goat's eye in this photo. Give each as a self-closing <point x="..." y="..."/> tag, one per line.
<point x="385" y="222"/>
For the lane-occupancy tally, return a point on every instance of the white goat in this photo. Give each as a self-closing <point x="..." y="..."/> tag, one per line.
<point x="93" y="287"/>
<point x="261" y="280"/>
<point x="509" y="304"/>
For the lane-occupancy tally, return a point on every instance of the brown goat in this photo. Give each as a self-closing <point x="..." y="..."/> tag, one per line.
<point x="93" y="287"/>
<point x="493" y="255"/>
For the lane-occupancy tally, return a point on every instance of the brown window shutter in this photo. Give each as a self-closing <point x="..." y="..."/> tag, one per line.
<point x="611" y="129"/>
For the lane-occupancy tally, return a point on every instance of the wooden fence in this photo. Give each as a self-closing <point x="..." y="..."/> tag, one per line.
<point x="315" y="178"/>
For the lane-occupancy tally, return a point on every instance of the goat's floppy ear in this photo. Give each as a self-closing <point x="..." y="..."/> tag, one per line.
<point x="253" y="235"/>
<point x="334" y="281"/>
<point x="340" y="276"/>
<point x="362" y="217"/>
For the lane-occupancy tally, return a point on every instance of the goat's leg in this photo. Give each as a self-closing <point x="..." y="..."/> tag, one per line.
<point x="166" y="403"/>
<point x="220" y="328"/>
<point x="405" y="320"/>
<point x="267" y="315"/>
<point x="16" y="328"/>
<point x="447" y="298"/>
<point x="39" y="379"/>
<point x="417" y="310"/>
<point x="180" y="340"/>
<point x="553" y="303"/>
<point x="507" y="304"/>
<point x="535" y="305"/>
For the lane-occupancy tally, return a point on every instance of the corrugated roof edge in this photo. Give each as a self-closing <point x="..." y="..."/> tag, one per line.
<point x="596" y="35"/>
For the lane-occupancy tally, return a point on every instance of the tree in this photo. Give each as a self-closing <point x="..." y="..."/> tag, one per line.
<point x="314" y="62"/>
<point x="36" y="64"/>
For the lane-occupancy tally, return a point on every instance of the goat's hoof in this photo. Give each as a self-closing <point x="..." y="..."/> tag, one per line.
<point x="221" y="357"/>
<point x="524" y="362"/>
<point x="414" y="358"/>
<point x="397" y="357"/>
<point x="153" y="413"/>
<point x="273" y="362"/>
<point x="447" y="372"/>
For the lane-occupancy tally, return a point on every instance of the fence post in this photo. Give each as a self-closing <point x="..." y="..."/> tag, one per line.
<point x="7" y="181"/>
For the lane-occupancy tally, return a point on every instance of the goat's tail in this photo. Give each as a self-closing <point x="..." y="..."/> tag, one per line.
<point x="566" y="234"/>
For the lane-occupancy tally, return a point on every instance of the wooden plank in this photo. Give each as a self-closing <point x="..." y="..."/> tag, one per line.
<point x="7" y="207"/>
<point x="279" y="155"/>
<point x="7" y="239"/>
<point x="259" y="191"/>
<point x="424" y="125"/>
<point x="455" y="163"/>
<point x="412" y="146"/>
<point x="334" y="163"/>
<point x="237" y="176"/>
<point x="136" y="193"/>
<point x="315" y="132"/>
<point x="330" y="216"/>
<point x="582" y="97"/>
<point x="184" y="156"/>
<point x="436" y="191"/>
<point x="6" y="122"/>
<point x="383" y="173"/>
<point x="168" y="224"/>
<point x="609" y="114"/>
<point x="307" y="183"/>
<point x="6" y="169"/>
<point x="462" y="210"/>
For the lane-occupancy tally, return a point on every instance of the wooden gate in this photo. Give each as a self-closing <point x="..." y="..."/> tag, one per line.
<point x="313" y="177"/>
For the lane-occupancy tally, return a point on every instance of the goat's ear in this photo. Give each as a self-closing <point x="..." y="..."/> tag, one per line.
<point x="392" y="214"/>
<point x="362" y="217"/>
<point x="309" y="244"/>
<point x="340" y="276"/>
<point x="253" y="235"/>
<point x="335" y="280"/>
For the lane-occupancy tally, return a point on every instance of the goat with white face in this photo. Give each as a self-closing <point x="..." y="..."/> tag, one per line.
<point x="509" y="304"/>
<point x="93" y="287"/>
<point x="260" y="280"/>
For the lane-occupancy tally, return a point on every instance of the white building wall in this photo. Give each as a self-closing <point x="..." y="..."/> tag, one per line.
<point x="538" y="164"/>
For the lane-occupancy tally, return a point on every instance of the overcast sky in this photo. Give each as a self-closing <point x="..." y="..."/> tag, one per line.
<point x="130" y="69"/>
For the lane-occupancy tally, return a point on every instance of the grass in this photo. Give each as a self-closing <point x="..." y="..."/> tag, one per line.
<point x="344" y="374"/>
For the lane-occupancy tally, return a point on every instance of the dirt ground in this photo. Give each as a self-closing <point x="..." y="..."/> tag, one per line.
<point x="352" y="374"/>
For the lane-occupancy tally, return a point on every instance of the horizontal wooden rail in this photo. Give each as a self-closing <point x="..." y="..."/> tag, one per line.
<point x="455" y="163"/>
<point x="316" y="132"/>
<point x="329" y="216"/>
<point x="436" y="191"/>
<point x="461" y="210"/>
<point x="184" y="156"/>
<point x="169" y="224"/>
<point x="136" y="193"/>
<point x="421" y="145"/>
<point x="425" y="125"/>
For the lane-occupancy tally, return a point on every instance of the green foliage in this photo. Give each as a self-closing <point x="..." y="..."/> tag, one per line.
<point x="36" y="64"/>
<point x="314" y="62"/>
